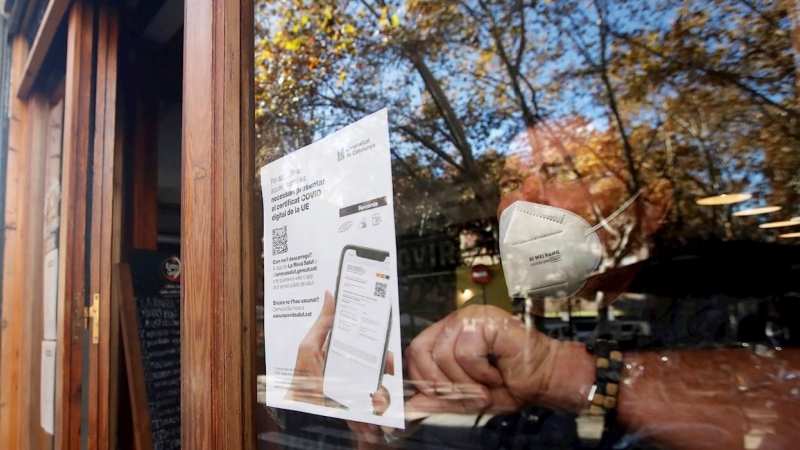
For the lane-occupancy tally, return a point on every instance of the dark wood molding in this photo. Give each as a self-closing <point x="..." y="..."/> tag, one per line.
<point x="142" y="435"/>
<point x="250" y="254"/>
<point x="217" y="236"/>
<point x="53" y="15"/>
<point x="144" y="172"/>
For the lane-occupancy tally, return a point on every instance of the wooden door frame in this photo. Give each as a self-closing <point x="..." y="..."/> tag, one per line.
<point x="217" y="194"/>
<point x="16" y="222"/>
<point x="90" y="142"/>
<point x="21" y="423"/>
<point x="72" y="254"/>
<point x="106" y="233"/>
<point x="89" y="94"/>
<point x="23" y="254"/>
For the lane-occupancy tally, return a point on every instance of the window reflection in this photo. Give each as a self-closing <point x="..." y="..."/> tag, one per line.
<point x="671" y="126"/>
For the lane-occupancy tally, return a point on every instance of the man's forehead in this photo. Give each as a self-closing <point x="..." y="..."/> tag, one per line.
<point x="530" y="150"/>
<point x="591" y="152"/>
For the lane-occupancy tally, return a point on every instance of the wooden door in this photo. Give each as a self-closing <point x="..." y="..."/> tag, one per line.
<point x="91" y="211"/>
<point x="104" y="252"/>
<point x="62" y="194"/>
<point x="217" y="299"/>
<point x="72" y="255"/>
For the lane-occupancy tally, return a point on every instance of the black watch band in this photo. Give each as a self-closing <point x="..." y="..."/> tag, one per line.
<point x="599" y="421"/>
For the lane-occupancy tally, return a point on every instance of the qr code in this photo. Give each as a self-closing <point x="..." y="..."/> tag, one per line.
<point x="380" y="290"/>
<point x="279" y="241"/>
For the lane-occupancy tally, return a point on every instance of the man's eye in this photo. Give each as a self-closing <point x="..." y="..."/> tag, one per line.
<point x="509" y="186"/>
<point x="564" y="175"/>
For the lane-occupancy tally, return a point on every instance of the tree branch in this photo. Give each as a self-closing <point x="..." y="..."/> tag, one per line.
<point x="719" y="75"/>
<point x="529" y="117"/>
<point x="431" y="145"/>
<point x="445" y="109"/>
<point x="612" y="102"/>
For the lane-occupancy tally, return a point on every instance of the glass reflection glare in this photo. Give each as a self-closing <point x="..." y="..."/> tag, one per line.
<point x="784" y="223"/>
<point x="724" y="199"/>
<point x="756" y="211"/>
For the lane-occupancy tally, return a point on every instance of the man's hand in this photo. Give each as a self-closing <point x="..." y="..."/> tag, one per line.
<point x="479" y="359"/>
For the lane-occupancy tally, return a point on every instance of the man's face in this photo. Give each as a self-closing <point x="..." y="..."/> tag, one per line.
<point x="581" y="170"/>
<point x="561" y="170"/>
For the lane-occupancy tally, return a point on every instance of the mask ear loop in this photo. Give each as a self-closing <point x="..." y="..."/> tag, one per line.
<point x="613" y="215"/>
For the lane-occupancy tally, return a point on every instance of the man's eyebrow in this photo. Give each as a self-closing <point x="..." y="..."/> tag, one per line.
<point x="505" y="172"/>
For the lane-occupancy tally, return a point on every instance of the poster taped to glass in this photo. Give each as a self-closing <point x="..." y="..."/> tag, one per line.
<point x="331" y="318"/>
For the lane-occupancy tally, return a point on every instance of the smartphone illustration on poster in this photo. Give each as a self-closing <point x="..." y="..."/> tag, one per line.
<point x="357" y="344"/>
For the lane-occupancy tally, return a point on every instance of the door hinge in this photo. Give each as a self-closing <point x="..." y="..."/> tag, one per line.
<point x="93" y="312"/>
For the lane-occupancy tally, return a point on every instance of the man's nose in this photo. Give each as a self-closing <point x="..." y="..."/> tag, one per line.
<point x="534" y="190"/>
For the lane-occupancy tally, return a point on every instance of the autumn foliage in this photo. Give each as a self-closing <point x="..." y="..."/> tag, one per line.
<point x="701" y="93"/>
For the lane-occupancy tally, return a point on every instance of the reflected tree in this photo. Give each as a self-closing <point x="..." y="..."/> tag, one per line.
<point x="699" y="92"/>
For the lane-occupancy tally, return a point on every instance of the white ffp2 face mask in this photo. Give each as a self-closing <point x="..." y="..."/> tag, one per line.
<point x="549" y="252"/>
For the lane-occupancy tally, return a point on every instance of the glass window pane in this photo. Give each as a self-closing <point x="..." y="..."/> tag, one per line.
<point x="593" y="200"/>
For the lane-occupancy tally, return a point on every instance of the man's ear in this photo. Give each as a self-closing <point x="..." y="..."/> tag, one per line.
<point x="657" y="200"/>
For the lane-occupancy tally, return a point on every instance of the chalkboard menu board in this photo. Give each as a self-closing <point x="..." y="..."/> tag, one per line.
<point x="155" y="278"/>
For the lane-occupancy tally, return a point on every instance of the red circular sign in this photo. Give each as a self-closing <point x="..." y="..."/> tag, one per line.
<point x="481" y="274"/>
<point x="171" y="267"/>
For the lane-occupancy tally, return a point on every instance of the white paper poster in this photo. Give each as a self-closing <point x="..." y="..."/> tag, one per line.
<point x="48" y="386"/>
<point x="50" y="294"/>
<point x="331" y="315"/>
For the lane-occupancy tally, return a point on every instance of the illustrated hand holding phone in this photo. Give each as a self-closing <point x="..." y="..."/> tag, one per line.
<point x="343" y="357"/>
<point x="306" y="385"/>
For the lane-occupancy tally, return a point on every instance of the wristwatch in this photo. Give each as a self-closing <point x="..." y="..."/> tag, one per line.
<point x="597" y="422"/>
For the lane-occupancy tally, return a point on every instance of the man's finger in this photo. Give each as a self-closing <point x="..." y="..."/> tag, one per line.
<point x="421" y="406"/>
<point x="422" y="368"/>
<point x="364" y="432"/>
<point x="319" y="331"/>
<point x="471" y="353"/>
<point x="472" y="399"/>
<point x="444" y="353"/>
